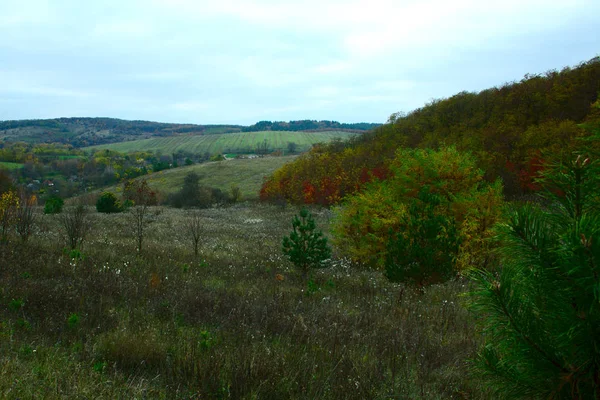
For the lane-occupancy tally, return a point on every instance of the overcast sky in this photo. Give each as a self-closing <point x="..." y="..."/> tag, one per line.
<point x="234" y="61"/>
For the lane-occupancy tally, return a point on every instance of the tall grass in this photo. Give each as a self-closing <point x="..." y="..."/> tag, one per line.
<point x="235" y="322"/>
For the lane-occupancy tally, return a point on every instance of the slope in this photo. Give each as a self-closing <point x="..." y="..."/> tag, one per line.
<point x="247" y="174"/>
<point x="510" y="129"/>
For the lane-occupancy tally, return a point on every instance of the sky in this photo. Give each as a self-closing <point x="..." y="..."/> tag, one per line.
<point x="239" y="62"/>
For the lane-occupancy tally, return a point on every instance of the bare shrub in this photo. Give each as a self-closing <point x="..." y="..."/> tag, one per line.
<point x="25" y="216"/>
<point x="194" y="229"/>
<point x="75" y="221"/>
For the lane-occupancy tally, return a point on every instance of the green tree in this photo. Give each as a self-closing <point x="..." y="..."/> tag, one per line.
<point x="425" y="252"/>
<point x="540" y="312"/>
<point x="292" y="147"/>
<point x="262" y="148"/>
<point x="400" y="210"/>
<point x="53" y="205"/>
<point x="306" y="246"/>
<point x="108" y="203"/>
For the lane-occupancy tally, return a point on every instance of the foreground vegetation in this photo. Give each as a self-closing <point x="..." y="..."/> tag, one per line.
<point x="236" y="322"/>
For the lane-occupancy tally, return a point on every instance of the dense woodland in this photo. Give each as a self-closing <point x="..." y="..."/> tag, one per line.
<point x="510" y="130"/>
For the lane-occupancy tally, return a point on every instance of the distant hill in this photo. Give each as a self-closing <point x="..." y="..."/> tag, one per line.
<point x="83" y="132"/>
<point x="511" y="129"/>
<point x="239" y="142"/>
<point x="308" y="125"/>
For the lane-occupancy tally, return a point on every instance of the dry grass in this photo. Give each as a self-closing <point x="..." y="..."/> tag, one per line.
<point x="166" y="324"/>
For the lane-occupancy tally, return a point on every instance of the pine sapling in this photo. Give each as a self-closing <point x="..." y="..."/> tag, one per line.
<point x="306" y="246"/>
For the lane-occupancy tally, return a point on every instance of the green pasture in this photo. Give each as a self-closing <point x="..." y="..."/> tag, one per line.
<point x="247" y="174"/>
<point x="240" y="142"/>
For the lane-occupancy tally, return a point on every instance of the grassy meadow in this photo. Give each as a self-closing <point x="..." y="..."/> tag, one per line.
<point x="238" y="322"/>
<point x="10" y="165"/>
<point x="238" y="142"/>
<point x="247" y="174"/>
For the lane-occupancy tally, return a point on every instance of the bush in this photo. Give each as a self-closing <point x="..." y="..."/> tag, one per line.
<point x="541" y="314"/>
<point x="306" y="246"/>
<point x="428" y="190"/>
<point x="25" y="216"/>
<point x="53" y="205"/>
<point x="108" y="203"/>
<point x="9" y="204"/>
<point x="426" y="251"/>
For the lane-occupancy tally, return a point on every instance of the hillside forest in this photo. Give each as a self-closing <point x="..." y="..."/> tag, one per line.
<point x="511" y="130"/>
<point x="451" y="252"/>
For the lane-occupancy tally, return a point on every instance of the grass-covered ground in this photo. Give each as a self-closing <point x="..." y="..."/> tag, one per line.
<point x="241" y="142"/>
<point x="247" y="174"/>
<point x="164" y="324"/>
<point x="10" y="165"/>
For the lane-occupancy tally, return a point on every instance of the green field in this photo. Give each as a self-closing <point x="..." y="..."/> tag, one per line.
<point x="10" y="165"/>
<point x="247" y="174"/>
<point x="241" y="142"/>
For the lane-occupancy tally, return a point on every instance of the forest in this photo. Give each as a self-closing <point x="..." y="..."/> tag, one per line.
<point x="509" y="129"/>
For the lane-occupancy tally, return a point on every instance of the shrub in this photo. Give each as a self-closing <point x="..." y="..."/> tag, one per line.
<point x="195" y="227"/>
<point x="75" y="222"/>
<point x="141" y="197"/>
<point x="25" y="216"/>
<point x="540" y="310"/>
<point x="53" y="205"/>
<point x="9" y="204"/>
<point x="306" y="246"/>
<point x="108" y="203"/>
<point x="394" y="214"/>
<point x="192" y="194"/>
<point x="426" y="251"/>
<point x="235" y="195"/>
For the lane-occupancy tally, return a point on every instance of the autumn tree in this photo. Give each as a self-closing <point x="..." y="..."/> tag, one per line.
<point x="25" y="215"/>
<point x="9" y="203"/>
<point x="421" y="224"/>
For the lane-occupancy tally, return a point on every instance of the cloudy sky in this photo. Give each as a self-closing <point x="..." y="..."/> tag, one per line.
<point x="240" y="61"/>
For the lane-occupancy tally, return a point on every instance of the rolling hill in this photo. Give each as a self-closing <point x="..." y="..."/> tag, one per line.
<point x="240" y="142"/>
<point x="510" y="129"/>
<point x="81" y="132"/>
<point x="247" y="174"/>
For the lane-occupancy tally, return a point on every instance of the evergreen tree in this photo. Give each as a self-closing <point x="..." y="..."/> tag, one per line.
<point x="108" y="203"/>
<point x="540" y="312"/>
<point x="306" y="246"/>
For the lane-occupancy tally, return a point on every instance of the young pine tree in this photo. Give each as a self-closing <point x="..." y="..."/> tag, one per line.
<point x="306" y="246"/>
<point x="540" y="312"/>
